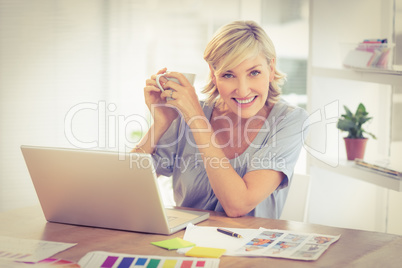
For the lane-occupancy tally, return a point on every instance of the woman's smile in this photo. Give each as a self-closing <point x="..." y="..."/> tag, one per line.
<point x="243" y="101"/>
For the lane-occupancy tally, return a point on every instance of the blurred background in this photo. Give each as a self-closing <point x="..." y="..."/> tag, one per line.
<point x="72" y="72"/>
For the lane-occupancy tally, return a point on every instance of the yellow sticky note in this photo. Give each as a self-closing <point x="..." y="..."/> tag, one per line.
<point x="205" y="252"/>
<point x="174" y="243"/>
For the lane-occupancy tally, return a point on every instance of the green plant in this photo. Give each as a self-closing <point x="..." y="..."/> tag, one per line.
<point x="352" y="123"/>
<point x="136" y="135"/>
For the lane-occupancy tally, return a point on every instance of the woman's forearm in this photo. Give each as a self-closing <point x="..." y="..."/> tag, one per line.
<point x="150" y="139"/>
<point x="228" y="186"/>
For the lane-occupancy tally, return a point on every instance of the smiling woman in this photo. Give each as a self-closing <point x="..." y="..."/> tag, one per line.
<point x="241" y="145"/>
<point x="59" y="55"/>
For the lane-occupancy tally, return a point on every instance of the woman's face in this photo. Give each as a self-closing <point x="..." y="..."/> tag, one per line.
<point x="245" y="88"/>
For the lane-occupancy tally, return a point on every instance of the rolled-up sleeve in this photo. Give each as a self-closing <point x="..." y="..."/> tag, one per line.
<point x="282" y="147"/>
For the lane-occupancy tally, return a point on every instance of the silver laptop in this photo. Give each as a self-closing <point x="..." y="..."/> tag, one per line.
<point x="103" y="189"/>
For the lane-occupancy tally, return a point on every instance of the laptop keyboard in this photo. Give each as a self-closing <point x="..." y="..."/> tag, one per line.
<point x="171" y="218"/>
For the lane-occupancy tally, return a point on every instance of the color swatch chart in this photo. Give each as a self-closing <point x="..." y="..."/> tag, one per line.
<point x="113" y="260"/>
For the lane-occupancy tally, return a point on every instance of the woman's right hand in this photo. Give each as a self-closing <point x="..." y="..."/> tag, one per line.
<point x="162" y="113"/>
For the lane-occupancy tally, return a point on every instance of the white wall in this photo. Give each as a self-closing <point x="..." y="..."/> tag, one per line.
<point x="50" y="60"/>
<point x="94" y="56"/>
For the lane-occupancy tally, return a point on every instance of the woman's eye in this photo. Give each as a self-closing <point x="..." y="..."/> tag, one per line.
<point x="255" y="73"/>
<point x="227" y="75"/>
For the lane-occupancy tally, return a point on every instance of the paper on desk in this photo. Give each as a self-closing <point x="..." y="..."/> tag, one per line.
<point x="29" y="250"/>
<point x="209" y="237"/>
<point x="262" y="242"/>
<point x="46" y="263"/>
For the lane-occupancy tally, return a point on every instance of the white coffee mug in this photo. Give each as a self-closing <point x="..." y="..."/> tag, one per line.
<point x="190" y="77"/>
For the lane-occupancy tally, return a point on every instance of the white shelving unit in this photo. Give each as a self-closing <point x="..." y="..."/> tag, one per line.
<point x="345" y="195"/>
<point x="330" y="26"/>
<point x="348" y="168"/>
<point x="388" y="77"/>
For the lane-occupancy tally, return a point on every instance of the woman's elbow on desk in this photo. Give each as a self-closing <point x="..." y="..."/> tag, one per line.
<point x="260" y="184"/>
<point x="235" y="214"/>
<point x="235" y="211"/>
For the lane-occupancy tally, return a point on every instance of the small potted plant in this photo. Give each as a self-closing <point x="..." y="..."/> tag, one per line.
<point x="355" y="142"/>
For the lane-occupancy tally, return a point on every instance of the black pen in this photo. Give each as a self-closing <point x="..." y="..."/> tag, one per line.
<point x="227" y="232"/>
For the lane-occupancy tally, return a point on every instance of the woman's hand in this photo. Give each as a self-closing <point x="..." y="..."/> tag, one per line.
<point x="184" y="97"/>
<point x="155" y="99"/>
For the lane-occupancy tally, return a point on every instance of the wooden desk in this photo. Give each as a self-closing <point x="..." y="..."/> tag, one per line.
<point x="354" y="248"/>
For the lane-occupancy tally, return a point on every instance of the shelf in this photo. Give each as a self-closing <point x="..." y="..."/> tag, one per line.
<point x="397" y="98"/>
<point x="348" y="168"/>
<point x="388" y="77"/>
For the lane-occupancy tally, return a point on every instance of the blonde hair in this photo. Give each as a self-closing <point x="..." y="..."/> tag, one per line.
<point x="234" y="43"/>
